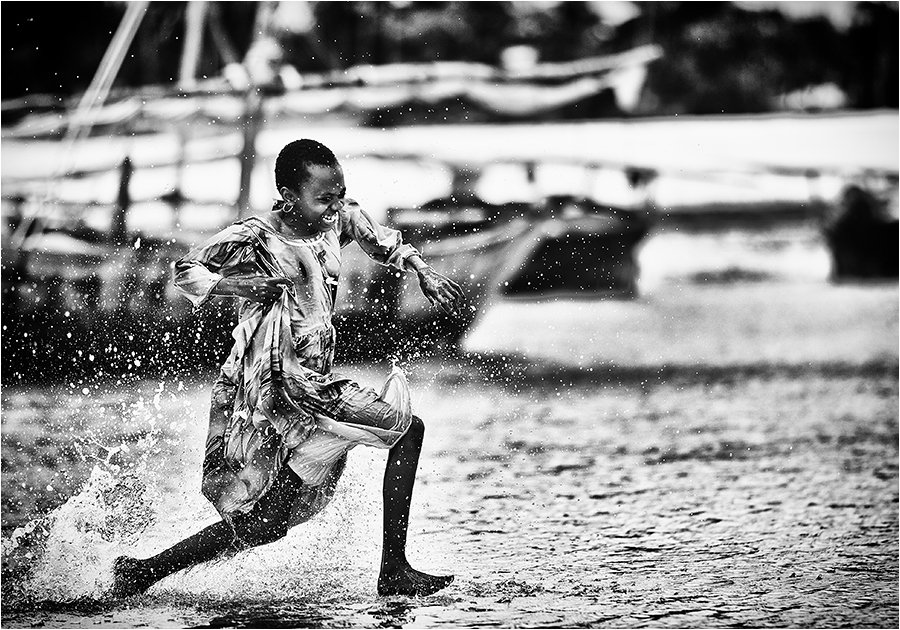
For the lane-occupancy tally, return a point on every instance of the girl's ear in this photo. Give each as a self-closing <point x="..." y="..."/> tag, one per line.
<point x="288" y="195"/>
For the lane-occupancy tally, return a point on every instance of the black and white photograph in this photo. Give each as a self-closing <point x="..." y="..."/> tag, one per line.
<point x="392" y="314"/>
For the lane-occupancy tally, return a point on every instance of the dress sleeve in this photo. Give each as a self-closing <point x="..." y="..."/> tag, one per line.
<point x="228" y="253"/>
<point x="382" y="244"/>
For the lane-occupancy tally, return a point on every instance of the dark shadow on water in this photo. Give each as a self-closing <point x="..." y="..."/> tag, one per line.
<point x="387" y="613"/>
<point x="393" y="613"/>
<point x="247" y="615"/>
<point x="27" y="614"/>
<point x="269" y="615"/>
<point x="382" y="613"/>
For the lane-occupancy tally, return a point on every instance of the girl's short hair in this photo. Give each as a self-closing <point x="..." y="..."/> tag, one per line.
<point x="291" y="163"/>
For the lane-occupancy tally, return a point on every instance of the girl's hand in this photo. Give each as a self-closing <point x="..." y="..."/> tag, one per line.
<point x="260" y="289"/>
<point x="440" y="290"/>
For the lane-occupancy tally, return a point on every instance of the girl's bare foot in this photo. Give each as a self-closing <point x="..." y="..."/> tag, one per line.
<point x="408" y="581"/>
<point x="129" y="577"/>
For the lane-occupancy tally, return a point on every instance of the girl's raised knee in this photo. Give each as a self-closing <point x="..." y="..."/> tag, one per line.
<point x="417" y="426"/>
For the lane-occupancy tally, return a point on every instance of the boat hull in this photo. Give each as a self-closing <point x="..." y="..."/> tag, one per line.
<point x="70" y="304"/>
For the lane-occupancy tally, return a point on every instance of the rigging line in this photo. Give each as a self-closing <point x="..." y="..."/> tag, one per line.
<point x="99" y="88"/>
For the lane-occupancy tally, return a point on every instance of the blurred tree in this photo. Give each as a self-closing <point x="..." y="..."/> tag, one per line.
<point x="872" y="60"/>
<point x="392" y="32"/>
<point x="559" y="31"/>
<point x="717" y="56"/>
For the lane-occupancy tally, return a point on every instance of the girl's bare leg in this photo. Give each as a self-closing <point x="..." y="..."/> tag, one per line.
<point x="265" y="523"/>
<point x="397" y="576"/>
<point x="134" y="576"/>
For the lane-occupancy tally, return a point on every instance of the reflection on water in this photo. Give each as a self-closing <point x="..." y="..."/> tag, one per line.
<point x="701" y="456"/>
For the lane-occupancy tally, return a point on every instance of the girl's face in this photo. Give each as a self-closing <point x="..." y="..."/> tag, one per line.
<point x="317" y="201"/>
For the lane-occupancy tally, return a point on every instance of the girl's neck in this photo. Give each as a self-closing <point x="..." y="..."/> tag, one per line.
<point x="287" y="228"/>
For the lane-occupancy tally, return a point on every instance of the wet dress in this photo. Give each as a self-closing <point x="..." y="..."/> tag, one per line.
<point x="276" y="401"/>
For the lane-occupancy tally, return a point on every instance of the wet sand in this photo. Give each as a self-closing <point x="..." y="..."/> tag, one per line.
<point x="575" y="474"/>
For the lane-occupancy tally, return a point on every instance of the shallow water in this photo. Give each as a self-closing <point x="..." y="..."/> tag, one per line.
<point x="705" y="456"/>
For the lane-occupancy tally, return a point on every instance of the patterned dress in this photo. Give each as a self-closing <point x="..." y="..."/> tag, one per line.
<point x="276" y="401"/>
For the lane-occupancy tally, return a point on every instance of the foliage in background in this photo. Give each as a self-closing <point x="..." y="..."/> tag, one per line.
<point x="718" y="56"/>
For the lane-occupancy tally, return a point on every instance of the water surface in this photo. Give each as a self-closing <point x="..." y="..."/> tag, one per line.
<point x="706" y="456"/>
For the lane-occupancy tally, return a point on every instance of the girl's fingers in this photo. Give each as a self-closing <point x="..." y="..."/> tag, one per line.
<point x="453" y="294"/>
<point x="454" y="288"/>
<point x="448" y="304"/>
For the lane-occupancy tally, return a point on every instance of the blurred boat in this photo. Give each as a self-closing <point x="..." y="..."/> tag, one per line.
<point x="68" y="279"/>
<point x="75" y="301"/>
<point x="64" y="272"/>
<point x="560" y="247"/>
<point x="862" y="232"/>
<point x="74" y="291"/>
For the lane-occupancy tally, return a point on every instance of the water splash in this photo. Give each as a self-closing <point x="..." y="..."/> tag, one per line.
<point x="66" y="555"/>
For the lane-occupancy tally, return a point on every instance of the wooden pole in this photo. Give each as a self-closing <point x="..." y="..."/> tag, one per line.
<point x="253" y="114"/>
<point x="220" y="38"/>
<point x="251" y="124"/>
<point x="118" y="231"/>
<point x="193" y="43"/>
<point x="177" y="196"/>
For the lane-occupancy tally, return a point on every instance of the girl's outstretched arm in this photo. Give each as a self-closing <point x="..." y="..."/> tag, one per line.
<point x="439" y="289"/>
